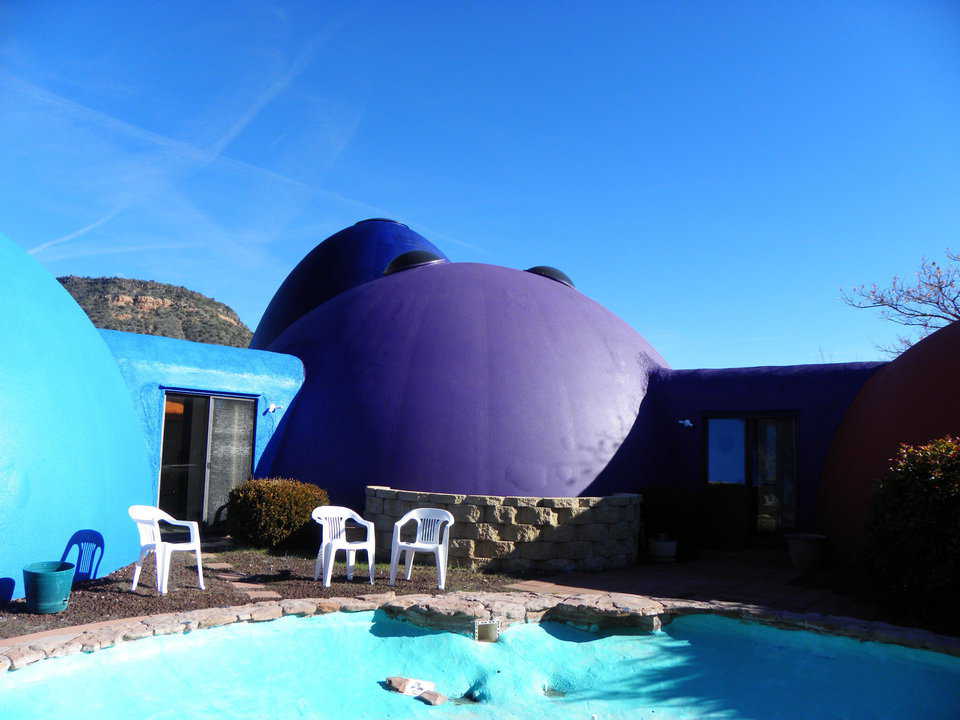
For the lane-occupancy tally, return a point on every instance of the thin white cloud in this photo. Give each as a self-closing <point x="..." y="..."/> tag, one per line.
<point x="80" y="232"/>
<point x="140" y="177"/>
<point x="300" y="63"/>
<point x="195" y="155"/>
<point x="152" y="179"/>
<point x="113" y="249"/>
<point x="84" y="114"/>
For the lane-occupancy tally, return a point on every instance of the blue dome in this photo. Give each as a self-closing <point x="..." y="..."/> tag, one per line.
<point x="72" y="454"/>
<point x="351" y="257"/>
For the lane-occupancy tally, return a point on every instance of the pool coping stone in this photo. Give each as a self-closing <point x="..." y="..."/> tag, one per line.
<point x="456" y="612"/>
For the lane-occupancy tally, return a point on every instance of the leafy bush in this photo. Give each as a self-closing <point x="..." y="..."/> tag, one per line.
<point x="913" y="538"/>
<point x="274" y="512"/>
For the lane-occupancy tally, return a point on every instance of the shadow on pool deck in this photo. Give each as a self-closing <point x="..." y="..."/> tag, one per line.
<point x="758" y="576"/>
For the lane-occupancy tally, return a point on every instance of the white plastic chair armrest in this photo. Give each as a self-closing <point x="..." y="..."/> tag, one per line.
<point x="397" y="526"/>
<point x="369" y="526"/>
<point x="191" y="525"/>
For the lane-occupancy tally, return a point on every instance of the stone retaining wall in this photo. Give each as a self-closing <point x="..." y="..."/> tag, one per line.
<point x="518" y="534"/>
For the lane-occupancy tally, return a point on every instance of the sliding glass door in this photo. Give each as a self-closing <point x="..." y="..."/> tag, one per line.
<point x="207" y="451"/>
<point x="231" y="452"/>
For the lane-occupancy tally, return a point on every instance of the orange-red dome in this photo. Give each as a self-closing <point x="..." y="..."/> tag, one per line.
<point x="913" y="399"/>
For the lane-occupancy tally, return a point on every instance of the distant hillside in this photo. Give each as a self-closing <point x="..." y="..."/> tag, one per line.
<point x="153" y="308"/>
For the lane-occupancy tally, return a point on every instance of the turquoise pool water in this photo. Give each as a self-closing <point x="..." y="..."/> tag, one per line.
<point x="330" y="666"/>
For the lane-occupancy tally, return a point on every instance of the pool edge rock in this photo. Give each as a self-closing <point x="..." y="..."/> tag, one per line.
<point x="456" y="612"/>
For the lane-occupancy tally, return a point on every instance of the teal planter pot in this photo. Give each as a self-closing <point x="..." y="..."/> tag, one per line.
<point x="47" y="586"/>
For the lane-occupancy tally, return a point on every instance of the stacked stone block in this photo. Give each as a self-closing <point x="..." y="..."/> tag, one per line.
<point x="519" y="534"/>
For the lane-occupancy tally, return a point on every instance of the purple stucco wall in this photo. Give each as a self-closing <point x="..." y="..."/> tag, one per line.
<point x="664" y="453"/>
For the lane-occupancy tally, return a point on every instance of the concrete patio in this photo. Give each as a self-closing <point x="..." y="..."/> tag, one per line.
<point x="758" y="576"/>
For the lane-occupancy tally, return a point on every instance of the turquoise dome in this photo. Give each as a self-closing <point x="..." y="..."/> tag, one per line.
<point x="72" y="454"/>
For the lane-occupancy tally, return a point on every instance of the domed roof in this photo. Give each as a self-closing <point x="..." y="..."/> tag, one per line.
<point x="72" y="455"/>
<point x="913" y="399"/>
<point x="460" y="377"/>
<point x="351" y="257"/>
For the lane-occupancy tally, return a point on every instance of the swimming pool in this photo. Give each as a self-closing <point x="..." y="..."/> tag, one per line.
<point x="330" y="666"/>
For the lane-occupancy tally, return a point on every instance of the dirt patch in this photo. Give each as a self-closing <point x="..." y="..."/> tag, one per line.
<point x="109" y="597"/>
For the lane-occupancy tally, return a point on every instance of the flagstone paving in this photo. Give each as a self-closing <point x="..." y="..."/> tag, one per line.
<point x="457" y="612"/>
<point x="253" y="591"/>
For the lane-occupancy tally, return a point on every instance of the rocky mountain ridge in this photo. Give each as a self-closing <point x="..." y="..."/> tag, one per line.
<point x="153" y="308"/>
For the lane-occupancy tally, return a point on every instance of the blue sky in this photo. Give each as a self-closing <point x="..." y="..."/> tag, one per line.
<point x="712" y="172"/>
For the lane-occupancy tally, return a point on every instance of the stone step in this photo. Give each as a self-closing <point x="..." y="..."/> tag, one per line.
<point x="262" y="595"/>
<point x="247" y="586"/>
<point x="229" y="576"/>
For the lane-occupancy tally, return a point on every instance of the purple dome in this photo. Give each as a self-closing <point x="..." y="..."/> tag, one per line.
<point x="459" y="378"/>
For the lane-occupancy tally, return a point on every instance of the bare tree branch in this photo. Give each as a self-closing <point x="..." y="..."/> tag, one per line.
<point x="929" y="303"/>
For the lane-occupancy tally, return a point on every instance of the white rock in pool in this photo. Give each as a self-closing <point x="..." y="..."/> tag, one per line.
<point x="411" y="686"/>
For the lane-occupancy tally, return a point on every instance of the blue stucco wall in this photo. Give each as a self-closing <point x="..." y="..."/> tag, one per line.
<point x="151" y="364"/>
<point x="72" y="456"/>
<point x="664" y="453"/>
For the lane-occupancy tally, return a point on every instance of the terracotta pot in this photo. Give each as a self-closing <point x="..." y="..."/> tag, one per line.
<point x="662" y="550"/>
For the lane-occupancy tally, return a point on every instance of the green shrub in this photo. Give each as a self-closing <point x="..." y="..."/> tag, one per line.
<point x="913" y="537"/>
<point x="274" y="512"/>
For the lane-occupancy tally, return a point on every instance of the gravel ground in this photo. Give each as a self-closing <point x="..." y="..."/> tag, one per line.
<point x="109" y="597"/>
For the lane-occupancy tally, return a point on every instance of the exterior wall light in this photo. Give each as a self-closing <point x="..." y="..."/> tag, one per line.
<point x="686" y="423"/>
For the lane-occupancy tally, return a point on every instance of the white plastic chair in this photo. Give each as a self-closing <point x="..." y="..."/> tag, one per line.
<point x="148" y="520"/>
<point x="333" y="520"/>
<point x="433" y="535"/>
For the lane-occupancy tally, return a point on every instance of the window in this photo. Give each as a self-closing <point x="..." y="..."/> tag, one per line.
<point x="726" y="442"/>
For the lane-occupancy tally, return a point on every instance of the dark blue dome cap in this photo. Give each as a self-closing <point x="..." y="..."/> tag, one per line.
<point x="553" y="273"/>
<point x="351" y="257"/>
<point x="395" y="222"/>
<point x="412" y="259"/>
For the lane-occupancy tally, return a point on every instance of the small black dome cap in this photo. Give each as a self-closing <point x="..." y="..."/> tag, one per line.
<point x="551" y="272"/>
<point x="395" y="222"/>
<point x="412" y="259"/>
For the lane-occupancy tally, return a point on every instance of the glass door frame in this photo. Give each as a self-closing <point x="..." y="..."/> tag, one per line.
<point x="211" y="395"/>
<point x="749" y="444"/>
